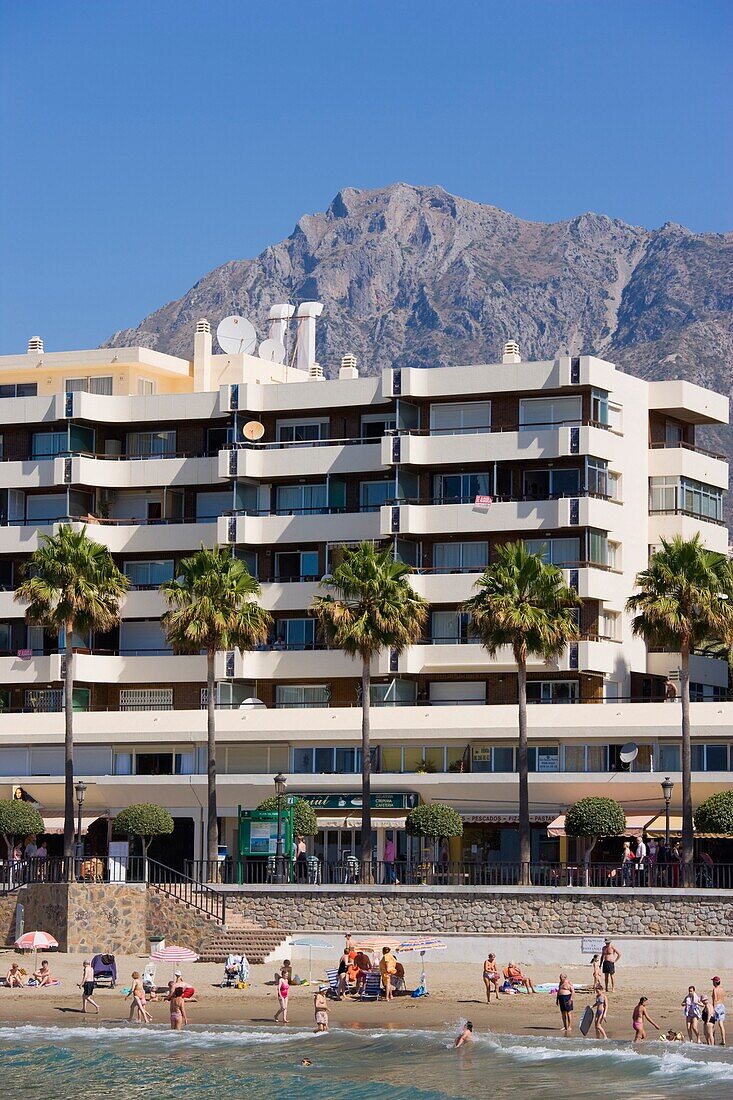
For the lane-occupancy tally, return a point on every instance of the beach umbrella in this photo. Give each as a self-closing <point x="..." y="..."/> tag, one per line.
<point x="421" y="944"/>
<point x="36" y="941"/>
<point x="174" y="954"/>
<point x="310" y="944"/>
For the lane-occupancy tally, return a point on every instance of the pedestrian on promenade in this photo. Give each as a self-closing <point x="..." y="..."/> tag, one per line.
<point x="320" y="1008"/>
<point x="283" y="991"/>
<point x="564" y="1000"/>
<point x="610" y="955"/>
<point x="691" y="1005"/>
<point x="640" y="1014"/>
<point x="86" y="985"/>
<point x="390" y="876"/>
<point x="718" y="1000"/>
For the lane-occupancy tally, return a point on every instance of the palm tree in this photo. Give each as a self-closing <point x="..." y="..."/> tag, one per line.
<point x="72" y="586"/>
<point x="685" y="599"/>
<point x="373" y="607"/>
<point x="523" y="602"/>
<point x="213" y="607"/>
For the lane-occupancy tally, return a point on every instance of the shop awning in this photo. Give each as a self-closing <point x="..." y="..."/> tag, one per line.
<point x="658" y="826"/>
<point x="54" y="826"/>
<point x="352" y="822"/>
<point x="635" y="823"/>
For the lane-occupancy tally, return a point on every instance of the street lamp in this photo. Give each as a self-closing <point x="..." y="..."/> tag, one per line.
<point x="280" y="784"/>
<point x="81" y="790"/>
<point x="667" y="788"/>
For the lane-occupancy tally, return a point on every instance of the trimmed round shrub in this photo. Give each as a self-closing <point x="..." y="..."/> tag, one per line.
<point x="715" y="814"/>
<point x="434" y="821"/>
<point x="143" y="819"/>
<point x="595" y="817"/>
<point x="305" y="822"/>
<point x="18" y="818"/>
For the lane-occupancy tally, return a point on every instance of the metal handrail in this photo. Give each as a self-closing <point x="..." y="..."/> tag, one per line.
<point x="195" y="893"/>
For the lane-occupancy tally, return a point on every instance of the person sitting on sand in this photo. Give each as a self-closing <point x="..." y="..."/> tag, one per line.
<point x="640" y="1014"/>
<point x="43" y="975"/>
<point x="515" y="975"/>
<point x="466" y="1035"/>
<point x="14" y="977"/>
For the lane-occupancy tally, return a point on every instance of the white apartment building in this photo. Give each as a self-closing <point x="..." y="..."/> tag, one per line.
<point x="589" y="465"/>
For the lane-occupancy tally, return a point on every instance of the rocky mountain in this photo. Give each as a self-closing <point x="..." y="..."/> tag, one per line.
<point x="416" y="276"/>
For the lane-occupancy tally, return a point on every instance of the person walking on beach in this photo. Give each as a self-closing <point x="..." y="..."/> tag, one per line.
<point x="320" y="1009"/>
<point x="283" y="991"/>
<point x="639" y="1015"/>
<point x="707" y="1019"/>
<point x="718" y="1001"/>
<point x="565" y="992"/>
<point x="466" y="1035"/>
<point x="610" y="955"/>
<point x="600" y="1011"/>
<point x="86" y="985"/>
<point x="691" y="1005"/>
<point x="491" y="977"/>
<point x="387" y="967"/>
<point x="596" y="964"/>
<point x="138" y="1000"/>
<point x="177" y="1007"/>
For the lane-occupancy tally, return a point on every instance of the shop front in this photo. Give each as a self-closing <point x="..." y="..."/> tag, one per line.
<point x="494" y="839"/>
<point x="339" y="825"/>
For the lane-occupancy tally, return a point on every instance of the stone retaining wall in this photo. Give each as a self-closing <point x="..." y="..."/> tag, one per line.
<point x="512" y="910"/>
<point x="88" y="917"/>
<point x="177" y="923"/>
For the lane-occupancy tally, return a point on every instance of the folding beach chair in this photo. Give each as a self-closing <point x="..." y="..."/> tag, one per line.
<point x="372" y="986"/>
<point x="333" y="981"/>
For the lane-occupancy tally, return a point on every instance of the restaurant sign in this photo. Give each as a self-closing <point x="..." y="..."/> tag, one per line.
<point x="503" y="819"/>
<point x="347" y="802"/>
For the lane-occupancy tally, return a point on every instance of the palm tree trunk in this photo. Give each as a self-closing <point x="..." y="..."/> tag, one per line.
<point x="366" y="767"/>
<point x="688" y="871"/>
<point x="525" y="849"/>
<point x="212" y="825"/>
<point x="69" y="746"/>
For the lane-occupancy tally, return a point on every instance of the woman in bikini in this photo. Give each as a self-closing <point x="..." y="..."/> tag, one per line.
<point x="491" y="977"/>
<point x="138" y="1000"/>
<point x="177" y="1008"/>
<point x="639" y="1016"/>
<point x="600" y="1009"/>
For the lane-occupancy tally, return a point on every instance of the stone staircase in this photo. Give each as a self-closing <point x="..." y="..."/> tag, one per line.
<point x="242" y="937"/>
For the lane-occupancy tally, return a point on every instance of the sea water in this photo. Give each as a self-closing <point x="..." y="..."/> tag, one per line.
<point x="347" y="1064"/>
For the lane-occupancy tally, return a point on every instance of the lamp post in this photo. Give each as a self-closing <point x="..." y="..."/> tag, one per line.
<point x="81" y="790"/>
<point x="280" y="783"/>
<point x="667" y="788"/>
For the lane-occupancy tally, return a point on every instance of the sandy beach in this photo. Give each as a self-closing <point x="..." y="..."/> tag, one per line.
<point x="456" y="993"/>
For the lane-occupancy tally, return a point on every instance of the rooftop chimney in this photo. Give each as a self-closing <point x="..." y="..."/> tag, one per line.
<point x="348" y="367"/>
<point x="202" y="325"/>
<point x="511" y="352"/>
<point x="35" y="344"/>
<point x="315" y="372"/>
<point x="306" y="348"/>
<point x="202" y="357"/>
<point x="279" y="316"/>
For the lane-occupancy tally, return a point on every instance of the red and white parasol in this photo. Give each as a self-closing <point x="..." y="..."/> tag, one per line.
<point x="174" y="954"/>
<point x="36" y="941"/>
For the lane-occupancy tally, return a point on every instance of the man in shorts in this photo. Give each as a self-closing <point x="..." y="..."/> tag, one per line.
<point x="610" y="955"/>
<point x="718" y="1004"/>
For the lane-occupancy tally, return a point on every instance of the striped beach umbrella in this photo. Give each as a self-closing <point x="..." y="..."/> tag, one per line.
<point x="36" y="941"/>
<point x="174" y="954"/>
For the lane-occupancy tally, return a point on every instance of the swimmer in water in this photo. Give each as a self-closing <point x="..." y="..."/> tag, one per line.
<point x="466" y="1035"/>
<point x="305" y="1062"/>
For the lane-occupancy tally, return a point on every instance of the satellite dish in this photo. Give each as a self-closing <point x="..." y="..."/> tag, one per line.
<point x="236" y="336"/>
<point x="272" y="350"/>
<point x="253" y="430"/>
<point x="628" y="752"/>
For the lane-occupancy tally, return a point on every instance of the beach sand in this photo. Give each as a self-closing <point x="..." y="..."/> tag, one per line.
<point x="456" y="993"/>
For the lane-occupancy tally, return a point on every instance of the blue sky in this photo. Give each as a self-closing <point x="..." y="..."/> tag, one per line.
<point x="144" y="142"/>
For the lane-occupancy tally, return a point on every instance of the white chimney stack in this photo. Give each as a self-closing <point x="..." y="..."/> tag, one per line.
<point x="511" y="352"/>
<point x="279" y="316"/>
<point x="348" y="367"/>
<point x="306" y="347"/>
<point x="202" y="357"/>
<point x="35" y="345"/>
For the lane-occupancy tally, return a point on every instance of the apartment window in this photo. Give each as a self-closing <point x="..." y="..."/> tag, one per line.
<point x="2" y="446"/>
<point x="302" y="695"/>
<point x="373" y="494"/>
<point x="49" y="444"/>
<point x="585" y="758"/>
<point x="150" y="444"/>
<point x="154" y="763"/>
<point x="543" y="758"/>
<point x="701" y="500"/>
<point x="552" y="691"/>
<point x="48" y="700"/>
<point x="549" y="412"/>
<point x="663" y="494"/>
<point x="560" y="552"/>
<point x="375" y="425"/>
<point x="101" y="384"/>
<point x="492" y="758"/>
<point x="302" y="565"/>
<point x="448" y="693"/>
<point x="395" y="693"/>
<point x="598" y="547"/>
<point x="302" y="499"/>
<point x="146" y="386"/>
<point x="614" y="485"/>
<point x="149" y="574"/>
<point x="707" y="693"/>
<point x="599" y="406"/>
<point x="597" y="477"/>
<point x="325" y="760"/>
<point x="467" y="418"/>
<point x="460" y="488"/>
<point x="460" y="557"/>
<point x="451" y="628"/>
<point x="146" y="699"/>
<point x="608" y="624"/>
<point x="669" y="758"/>
<point x="544" y="484"/>
<point x="710" y="758"/>
<point x="184" y="763"/>
<point x="673" y="434"/>
<point x="5" y="638"/>
<point x="295" y="634"/>
<point x="19" y="389"/>
<point x="301" y="431"/>
<point x="45" y="507"/>
<point x="122" y="762"/>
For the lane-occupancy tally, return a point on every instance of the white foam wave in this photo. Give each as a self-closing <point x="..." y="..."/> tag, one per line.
<point x="192" y="1036"/>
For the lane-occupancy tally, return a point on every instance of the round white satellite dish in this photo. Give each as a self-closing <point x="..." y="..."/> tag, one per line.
<point x="272" y="350"/>
<point x="628" y="752"/>
<point x="236" y="336"/>
<point x="253" y="430"/>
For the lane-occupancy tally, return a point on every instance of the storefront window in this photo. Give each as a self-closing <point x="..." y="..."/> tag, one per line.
<point x="544" y="758"/>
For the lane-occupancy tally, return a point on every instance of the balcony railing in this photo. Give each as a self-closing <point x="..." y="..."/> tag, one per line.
<point x="688" y="447"/>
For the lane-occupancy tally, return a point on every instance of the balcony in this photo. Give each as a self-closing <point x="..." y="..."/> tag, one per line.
<point x="299" y="528"/>
<point x="539" y="442"/>
<point x="150" y="471"/>
<point x="317" y="663"/>
<point x="314" y="458"/>
<point x="686" y="460"/>
<point x="432" y="518"/>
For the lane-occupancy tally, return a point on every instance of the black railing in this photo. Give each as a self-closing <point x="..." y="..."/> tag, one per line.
<point x="194" y="892"/>
<point x="349" y="870"/>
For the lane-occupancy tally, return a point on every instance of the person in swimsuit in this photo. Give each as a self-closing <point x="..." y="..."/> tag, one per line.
<point x="491" y="977"/>
<point x="565" y="992"/>
<point x="595" y="963"/>
<point x="609" y="957"/>
<point x="138" y="1000"/>
<point x="514" y="974"/>
<point x="14" y="978"/>
<point x="691" y="1005"/>
<point x="600" y="1010"/>
<point x="343" y="975"/>
<point x="177" y="1007"/>
<point x="466" y="1035"/>
<point x="283" y="990"/>
<point x="86" y="985"/>
<point x="320" y="1008"/>
<point x="707" y="1018"/>
<point x="43" y="975"/>
<point x="640" y="1014"/>
<point x="718" y="1001"/>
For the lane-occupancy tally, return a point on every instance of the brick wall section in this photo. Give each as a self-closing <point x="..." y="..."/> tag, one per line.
<point x="541" y="912"/>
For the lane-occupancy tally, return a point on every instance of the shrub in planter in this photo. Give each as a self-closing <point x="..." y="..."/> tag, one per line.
<point x="715" y="814"/>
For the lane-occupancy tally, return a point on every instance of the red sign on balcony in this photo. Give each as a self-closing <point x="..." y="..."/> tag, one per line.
<point x="25" y="654"/>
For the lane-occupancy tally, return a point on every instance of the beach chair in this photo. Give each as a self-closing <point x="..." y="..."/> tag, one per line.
<point x="333" y="982"/>
<point x="149" y="977"/>
<point x="372" y="986"/>
<point x="105" y="969"/>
